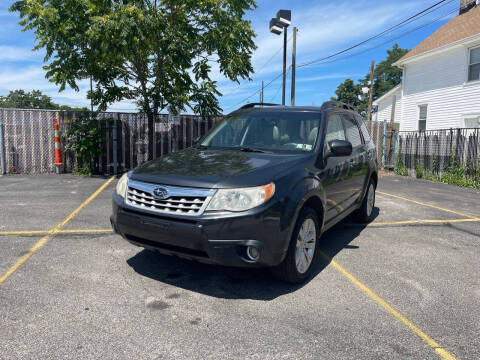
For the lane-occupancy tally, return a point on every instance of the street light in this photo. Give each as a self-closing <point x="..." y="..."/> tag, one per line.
<point x="277" y="25"/>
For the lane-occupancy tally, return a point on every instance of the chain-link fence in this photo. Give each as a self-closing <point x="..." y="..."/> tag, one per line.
<point x="29" y="146"/>
<point x="438" y="150"/>
<point x="384" y="135"/>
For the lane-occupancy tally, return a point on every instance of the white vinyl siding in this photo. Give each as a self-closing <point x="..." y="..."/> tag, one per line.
<point x="474" y="65"/>
<point x="384" y="110"/>
<point x="441" y="82"/>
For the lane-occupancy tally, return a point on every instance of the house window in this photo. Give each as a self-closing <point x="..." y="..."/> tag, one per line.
<point x="474" y="65"/>
<point x="472" y="122"/>
<point x="422" y="117"/>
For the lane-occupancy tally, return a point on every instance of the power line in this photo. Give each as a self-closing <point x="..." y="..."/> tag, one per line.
<point x="261" y="68"/>
<point x="391" y="39"/>
<point x="412" y="18"/>
<point x="390" y="29"/>
<point x="258" y="91"/>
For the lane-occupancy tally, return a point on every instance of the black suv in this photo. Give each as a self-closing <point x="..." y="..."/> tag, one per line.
<point x="257" y="190"/>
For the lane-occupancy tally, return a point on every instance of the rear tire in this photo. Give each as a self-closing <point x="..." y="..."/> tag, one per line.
<point x="302" y="250"/>
<point x="365" y="213"/>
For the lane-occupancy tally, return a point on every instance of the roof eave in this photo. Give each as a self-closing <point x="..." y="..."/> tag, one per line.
<point x="387" y="94"/>
<point x="462" y="42"/>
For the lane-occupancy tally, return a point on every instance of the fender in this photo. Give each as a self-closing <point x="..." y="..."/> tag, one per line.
<point x="304" y="189"/>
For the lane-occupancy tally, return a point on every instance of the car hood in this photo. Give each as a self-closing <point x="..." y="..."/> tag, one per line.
<point x="194" y="167"/>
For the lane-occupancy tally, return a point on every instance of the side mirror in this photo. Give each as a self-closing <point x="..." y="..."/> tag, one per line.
<point x="340" y="148"/>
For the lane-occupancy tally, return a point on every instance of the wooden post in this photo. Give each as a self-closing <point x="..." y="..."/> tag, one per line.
<point x="394" y="102"/>
<point x="369" y="110"/>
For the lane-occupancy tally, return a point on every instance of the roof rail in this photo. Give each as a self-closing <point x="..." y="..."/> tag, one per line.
<point x="251" y="105"/>
<point x="338" y="104"/>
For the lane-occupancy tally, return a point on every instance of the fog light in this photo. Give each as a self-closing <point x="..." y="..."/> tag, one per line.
<point x="253" y="253"/>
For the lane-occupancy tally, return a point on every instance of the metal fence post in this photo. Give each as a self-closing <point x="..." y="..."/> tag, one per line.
<point x="114" y="140"/>
<point x="3" y="169"/>
<point x="396" y="148"/>
<point x="384" y="146"/>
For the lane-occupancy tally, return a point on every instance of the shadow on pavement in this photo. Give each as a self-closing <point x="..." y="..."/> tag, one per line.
<point x="238" y="283"/>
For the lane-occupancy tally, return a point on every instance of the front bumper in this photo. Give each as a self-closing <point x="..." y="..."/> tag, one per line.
<point x="211" y="238"/>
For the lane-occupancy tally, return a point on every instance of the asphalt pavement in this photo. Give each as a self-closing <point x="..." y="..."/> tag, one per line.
<point x="405" y="287"/>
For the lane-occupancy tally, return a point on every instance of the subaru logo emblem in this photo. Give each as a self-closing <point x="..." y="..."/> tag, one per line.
<point x="160" y="193"/>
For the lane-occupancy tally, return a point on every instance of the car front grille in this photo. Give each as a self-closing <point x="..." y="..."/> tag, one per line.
<point x="179" y="201"/>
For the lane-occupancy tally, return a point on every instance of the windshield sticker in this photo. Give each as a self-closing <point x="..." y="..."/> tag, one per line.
<point x="304" y="146"/>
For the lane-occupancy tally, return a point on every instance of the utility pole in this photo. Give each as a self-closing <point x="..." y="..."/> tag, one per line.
<point x="261" y="94"/>
<point x="294" y="55"/>
<point x="369" y="110"/>
<point x="91" y="90"/>
<point x="284" y="62"/>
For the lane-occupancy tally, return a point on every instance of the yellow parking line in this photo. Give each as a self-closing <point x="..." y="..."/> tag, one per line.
<point x="428" y="205"/>
<point x="52" y="232"/>
<point x="86" y="231"/>
<point x="444" y="354"/>
<point x="435" y="221"/>
<point x="23" y="232"/>
<point x="46" y="232"/>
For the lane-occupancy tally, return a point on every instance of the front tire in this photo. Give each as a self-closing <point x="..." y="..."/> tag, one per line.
<point x="302" y="250"/>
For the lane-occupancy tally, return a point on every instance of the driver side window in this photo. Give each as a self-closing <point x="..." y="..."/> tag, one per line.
<point x="335" y="130"/>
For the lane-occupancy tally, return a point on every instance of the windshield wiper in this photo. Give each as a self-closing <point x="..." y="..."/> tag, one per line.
<point x="249" y="149"/>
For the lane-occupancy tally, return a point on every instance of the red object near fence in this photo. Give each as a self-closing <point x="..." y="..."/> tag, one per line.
<point x="58" y="149"/>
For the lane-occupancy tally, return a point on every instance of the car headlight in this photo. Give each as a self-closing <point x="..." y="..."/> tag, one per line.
<point x="122" y="185"/>
<point x="241" y="199"/>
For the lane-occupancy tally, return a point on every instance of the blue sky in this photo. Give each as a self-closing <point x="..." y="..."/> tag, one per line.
<point x="324" y="28"/>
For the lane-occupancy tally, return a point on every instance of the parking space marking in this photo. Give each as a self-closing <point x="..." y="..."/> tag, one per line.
<point x="24" y="233"/>
<point x="428" y="205"/>
<point x="426" y="221"/>
<point x="373" y="224"/>
<point x="40" y="243"/>
<point x="442" y="352"/>
<point x="46" y="232"/>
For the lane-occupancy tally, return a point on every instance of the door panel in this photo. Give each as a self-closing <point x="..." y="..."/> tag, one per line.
<point x="335" y="174"/>
<point x="358" y="166"/>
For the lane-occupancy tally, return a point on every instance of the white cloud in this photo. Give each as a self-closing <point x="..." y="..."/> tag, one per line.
<point x="15" y="53"/>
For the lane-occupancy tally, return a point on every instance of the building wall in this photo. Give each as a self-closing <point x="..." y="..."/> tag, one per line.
<point x="439" y="81"/>
<point x="384" y="111"/>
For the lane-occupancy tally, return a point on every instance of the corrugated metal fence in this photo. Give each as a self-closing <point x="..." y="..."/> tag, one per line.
<point x="29" y="146"/>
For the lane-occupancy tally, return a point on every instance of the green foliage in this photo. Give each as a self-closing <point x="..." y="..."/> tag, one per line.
<point x="155" y="52"/>
<point x="385" y="77"/>
<point x="20" y="99"/>
<point x="419" y="172"/>
<point x="348" y="92"/>
<point x="400" y="168"/>
<point x="84" y="138"/>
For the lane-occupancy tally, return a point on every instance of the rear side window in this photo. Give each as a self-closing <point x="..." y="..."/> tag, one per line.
<point x="335" y="130"/>
<point x="352" y="131"/>
<point x="364" y="129"/>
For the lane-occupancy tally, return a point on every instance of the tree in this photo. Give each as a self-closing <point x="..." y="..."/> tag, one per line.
<point x="348" y="92"/>
<point x="386" y="76"/>
<point x="32" y="100"/>
<point x="155" y="52"/>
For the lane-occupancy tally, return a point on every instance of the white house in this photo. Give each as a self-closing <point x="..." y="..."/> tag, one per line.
<point x="441" y="78"/>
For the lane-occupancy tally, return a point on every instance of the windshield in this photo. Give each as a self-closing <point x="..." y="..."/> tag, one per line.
<point x="267" y="131"/>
